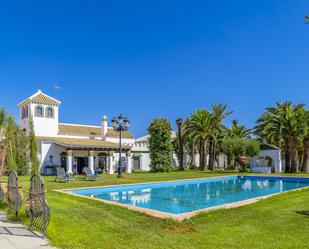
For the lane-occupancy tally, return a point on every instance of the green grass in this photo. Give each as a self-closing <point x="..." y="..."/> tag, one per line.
<point x="278" y="222"/>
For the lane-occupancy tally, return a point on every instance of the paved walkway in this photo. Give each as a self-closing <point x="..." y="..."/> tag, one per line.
<point x="14" y="235"/>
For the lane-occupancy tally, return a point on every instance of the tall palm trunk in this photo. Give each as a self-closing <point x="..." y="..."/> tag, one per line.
<point x="205" y="155"/>
<point x="211" y="159"/>
<point x="293" y="153"/>
<point x="287" y="157"/>
<point x="201" y="152"/>
<point x="305" y="166"/>
<point x="214" y="146"/>
<point x="300" y="154"/>
<point x="192" y="161"/>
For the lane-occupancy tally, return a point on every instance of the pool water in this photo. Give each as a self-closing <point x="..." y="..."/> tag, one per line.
<point x="178" y="197"/>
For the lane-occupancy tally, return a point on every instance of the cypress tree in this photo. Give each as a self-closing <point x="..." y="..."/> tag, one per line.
<point x="10" y="144"/>
<point x="22" y="155"/>
<point x="33" y="149"/>
<point x="3" y="119"/>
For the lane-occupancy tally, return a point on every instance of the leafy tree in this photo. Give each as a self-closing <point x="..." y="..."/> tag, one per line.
<point x="14" y="146"/>
<point x="227" y="147"/>
<point x="252" y="147"/>
<point x="160" y="145"/>
<point x="33" y="149"/>
<point x="236" y="148"/>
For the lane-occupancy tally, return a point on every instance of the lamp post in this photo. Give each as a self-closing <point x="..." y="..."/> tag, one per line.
<point x="120" y="124"/>
<point x="179" y="123"/>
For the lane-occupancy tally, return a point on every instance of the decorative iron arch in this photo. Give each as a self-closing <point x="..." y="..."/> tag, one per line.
<point x="39" y="210"/>
<point x="13" y="195"/>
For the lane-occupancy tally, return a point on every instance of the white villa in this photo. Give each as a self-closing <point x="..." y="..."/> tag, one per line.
<point x="73" y="146"/>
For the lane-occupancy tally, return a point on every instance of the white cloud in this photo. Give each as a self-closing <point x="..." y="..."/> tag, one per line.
<point x="56" y="87"/>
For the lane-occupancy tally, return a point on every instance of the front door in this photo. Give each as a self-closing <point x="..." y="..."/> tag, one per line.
<point x="82" y="162"/>
<point x="102" y="164"/>
<point x="136" y="163"/>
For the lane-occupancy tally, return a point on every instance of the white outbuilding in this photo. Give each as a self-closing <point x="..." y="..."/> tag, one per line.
<point x="268" y="160"/>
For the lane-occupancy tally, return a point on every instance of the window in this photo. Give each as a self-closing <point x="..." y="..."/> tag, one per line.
<point x="49" y="112"/>
<point x="39" y="111"/>
<point x="23" y="113"/>
<point x="26" y="111"/>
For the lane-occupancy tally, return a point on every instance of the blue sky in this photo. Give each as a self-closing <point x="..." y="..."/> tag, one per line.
<point x="149" y="59"/>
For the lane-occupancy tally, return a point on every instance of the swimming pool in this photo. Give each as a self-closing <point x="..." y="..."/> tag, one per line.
<point x="185" y="196"/>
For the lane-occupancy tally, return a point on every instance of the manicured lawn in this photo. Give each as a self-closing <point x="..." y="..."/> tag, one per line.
<point x="279" y="222"/>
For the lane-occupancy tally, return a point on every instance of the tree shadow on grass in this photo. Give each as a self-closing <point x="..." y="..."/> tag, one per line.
<point x="305" y="213"/>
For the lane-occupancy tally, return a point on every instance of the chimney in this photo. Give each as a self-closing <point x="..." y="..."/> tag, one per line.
<point x="104" y="127"/>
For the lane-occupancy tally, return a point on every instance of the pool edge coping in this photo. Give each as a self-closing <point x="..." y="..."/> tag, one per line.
<point x="184" y="216"/>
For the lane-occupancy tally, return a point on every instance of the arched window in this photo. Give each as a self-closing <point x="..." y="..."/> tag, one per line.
<point x="39" y="111"/>
<point x="23" y="113"/>
<point x="26" y="111"/>
<point x="49" y="112"/>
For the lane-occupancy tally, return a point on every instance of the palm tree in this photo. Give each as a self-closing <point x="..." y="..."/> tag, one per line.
<point x="189" y="144"/>
<point x="284" y="125"/>
<point x="239" y="131"/>
<point x="307" y="19"/>
<point x="198" y="129"/>
<point x="219" y="113"/>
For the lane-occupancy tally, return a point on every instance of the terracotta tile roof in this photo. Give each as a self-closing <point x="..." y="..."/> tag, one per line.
<point x="64" y="129"/>
<point x="44" y="99"/>
<point x="112" y="133"/>
<point x="82" y="143"/>
<point x="40" y="98"/>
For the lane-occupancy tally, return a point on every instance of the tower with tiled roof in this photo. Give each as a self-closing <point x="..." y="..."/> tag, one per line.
<point x="44" y="111"/>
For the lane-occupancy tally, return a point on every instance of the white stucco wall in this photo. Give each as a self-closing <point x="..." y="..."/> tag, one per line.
<point x="141" y="147"/>
<point x="275" y="155"/>
<point x="43" y="126"/>
<point x="145" y="161"/>
<point x="47" y="149"/>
